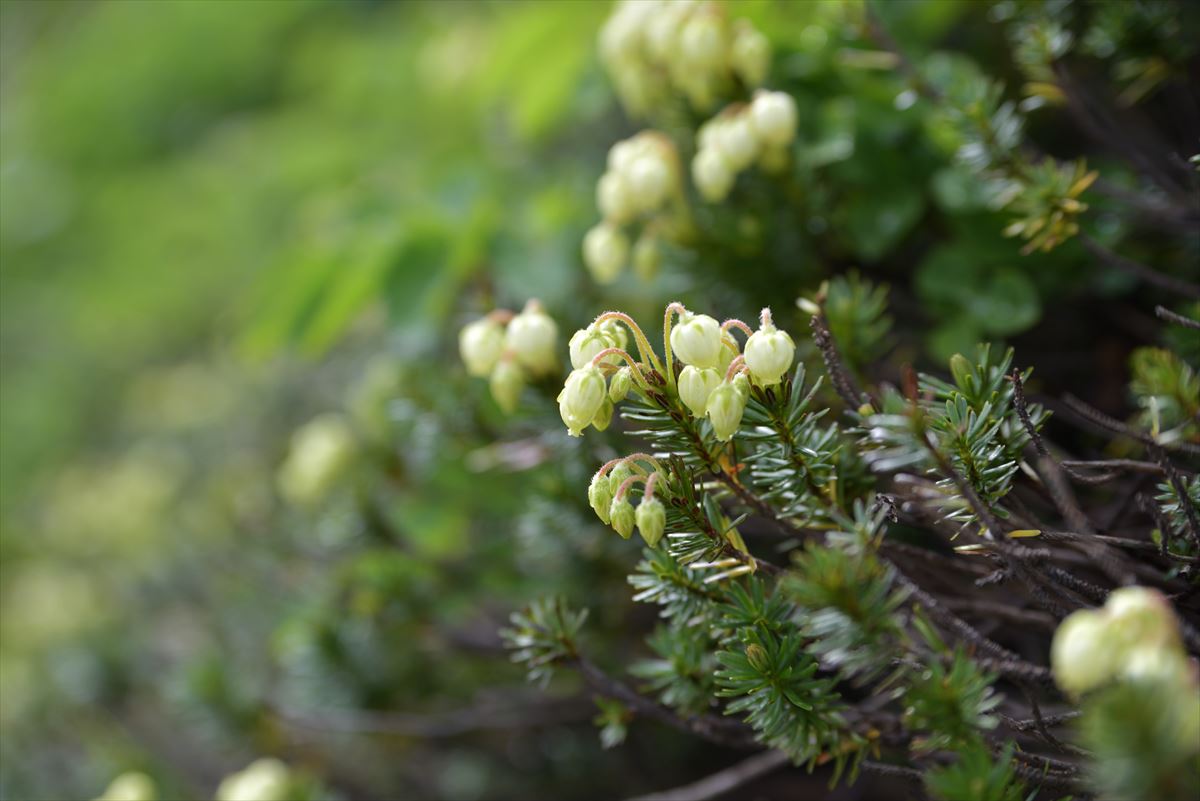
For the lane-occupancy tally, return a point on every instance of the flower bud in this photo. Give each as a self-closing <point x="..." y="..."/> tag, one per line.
<point x="615" y="199"/>
<point x="619" y="384"/>
<point x="737" y="143"/>
<point x="702" y="42"/>
<point x="131" y="786"/>
<point x="696" y="340"/>
<point x="712" y="175"/>
<point x="600" y="496"/>
<point x="649" y="181"/>
<point x="1141" y="618"/>
<point x="622" y="517"/>
<point x="1081" y="657"/>
<point x="695" y="385"/>
<point x="750" y="54"/>
<point x="769" y="354"/>
<point x="532" y="336"/>
<point x="480" y="343"/>
<point x="506" y="383"/>
<point x="617" y="476"/>
<point x="263" y="780"/>
<point x="605" y="250"/>
<point x="651" y="520"/>
<point x="586" y="344"/>
<point x="321" y="450"/>
<point x="742" y="384"/>
<point x="773" y="118"/>
<point x="604" y="416"/>
<point x="757" y="656"/>
<point x="726" y="405"/>
<point x="581" y="398"/>
<point x="647" y="257"/>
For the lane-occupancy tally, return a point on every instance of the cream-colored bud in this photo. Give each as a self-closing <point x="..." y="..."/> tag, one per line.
<point x="737" y="142"/>
<point x="532" y="337"/>
<point x="769" y="355"/>
<point x="695" y="385"/>
<point x="696" y="340"/>
<point x="581" y="398"/>
<point x="506" y="384"/>
<point x="615" y="198"/>
<point x="773" y="117"/>
<point x="726" y="405"/>
<point x="712" y="175"/>
<point x="750" y="54"/>
<point x="480" y="344"/>
<point x="605" y="251"/>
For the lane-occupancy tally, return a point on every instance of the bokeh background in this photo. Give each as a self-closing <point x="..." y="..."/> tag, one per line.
<point x="236" y="236"/>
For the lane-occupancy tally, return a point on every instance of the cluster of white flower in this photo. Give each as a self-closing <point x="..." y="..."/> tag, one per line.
<point x="506" y="348"/>
<point x="1134" y="637"/>
<point x="741" y="136"/>
<point x="714" y="381"/>
<point x="643" y="175"/>
<point x="608" y="495"/>
<point x="654" y="47"/>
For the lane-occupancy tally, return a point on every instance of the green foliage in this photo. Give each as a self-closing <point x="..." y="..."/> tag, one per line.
<point x="978" y="775"/>
<point x="542" y="634"/>
<point x="850" y="605"/>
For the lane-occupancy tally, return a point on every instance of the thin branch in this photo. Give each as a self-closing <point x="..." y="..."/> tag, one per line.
<point x="1102" y="421"/>
<point x="1178" y="319"/>
<point x="839" y="376"/>
<point x="1139" y="270"/>
<point x="722" y="731"/>
<point x="723" y="781"/>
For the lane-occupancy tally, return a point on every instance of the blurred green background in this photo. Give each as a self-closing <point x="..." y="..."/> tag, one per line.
<point x="219" y="223"/>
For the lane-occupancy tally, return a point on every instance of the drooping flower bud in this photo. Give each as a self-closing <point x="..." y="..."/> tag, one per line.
<point x="321" y="450"/>
<point x="600" y="496"/>
<point x="619" y="384"/>
<point x="262" y="780"/>
<point x="480" y="343"/>
<point x="586" y="344"/>
<point x="581" y="397"/>
<point x="532" y="336"/>
<point x="750" y="54"/>
<point x="769" y="354"/>
<point x="1081" y="658"/>
<point x="131" y="786"/>
<point x="605" y="251"/>
<point x="702" y="42"/>
<point x="649" y="180"/>
<point x="617" y="476"/>
<point x="615" y="198"/>
<point x="622" y="517"/>
<point x="742" y="384"/>
<point x="1140" y="617"/>
<point x="695" y="385"/>
<point x="696" y="340"/>
<point x="651" y="520"/>
<point x="506" y="383"/>
<point x="647" y="257"/>
<point x="726" y="405"/>
<point x="712" y="175"/>
<point x="773" y="118"/>
<point x="737" y="142"/>
<point x="604" y="416"/>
